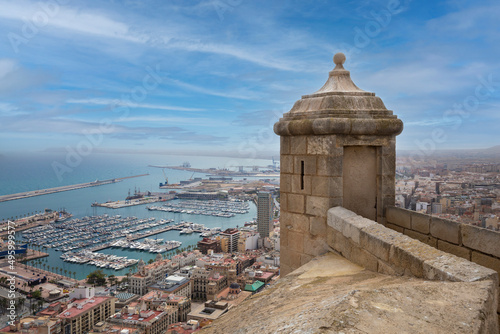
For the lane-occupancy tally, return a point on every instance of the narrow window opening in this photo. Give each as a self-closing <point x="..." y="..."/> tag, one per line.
<point x="302" y="175"/>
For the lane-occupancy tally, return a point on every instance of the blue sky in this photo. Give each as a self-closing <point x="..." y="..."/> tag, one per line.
<point x="199" y="77"/>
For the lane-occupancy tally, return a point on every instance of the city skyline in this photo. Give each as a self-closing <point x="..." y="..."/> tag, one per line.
<point x="216" y="75"/>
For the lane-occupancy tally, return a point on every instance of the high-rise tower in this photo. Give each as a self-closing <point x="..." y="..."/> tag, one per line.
<point x="264" y="213"/>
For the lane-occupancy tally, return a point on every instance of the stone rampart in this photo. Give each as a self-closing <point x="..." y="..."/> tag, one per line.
<point x="384" y="250"/>
<point x="391" y="252"/>
<point x="470" y="242"/>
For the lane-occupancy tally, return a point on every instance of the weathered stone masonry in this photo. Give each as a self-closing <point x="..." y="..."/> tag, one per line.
<point x="337" y="149"/>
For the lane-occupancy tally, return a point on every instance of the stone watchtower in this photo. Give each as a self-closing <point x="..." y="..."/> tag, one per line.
<point x="337" y="149"/>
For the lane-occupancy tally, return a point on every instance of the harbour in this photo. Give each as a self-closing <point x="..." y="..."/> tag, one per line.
<point x="114" y="243"/>
<point x="78" y="204"/>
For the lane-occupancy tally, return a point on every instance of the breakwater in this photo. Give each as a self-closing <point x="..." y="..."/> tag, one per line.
<point x="47" y="191"/>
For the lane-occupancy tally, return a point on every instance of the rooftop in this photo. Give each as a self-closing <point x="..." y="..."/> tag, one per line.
<point x="124" y="295"/>
<point x="264" y="275"/>
<point x="254" y="286"/>
<point x="231" y="231"/>
<point x="143" y="317"/>
<point x="210" y="313"/>
<point x="233" y="299"/>
<point x="80" y="306"/>
<point x="171" y="283"/>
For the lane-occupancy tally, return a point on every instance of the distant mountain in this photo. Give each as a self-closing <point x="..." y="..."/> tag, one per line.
<point x="493" y="149"/>
<point x="462" y="154"/>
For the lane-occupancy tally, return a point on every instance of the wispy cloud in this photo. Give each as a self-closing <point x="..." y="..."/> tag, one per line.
<point x="115" y="131"/>
<point x="9" y="110"/>
<point x="7" y="66"/>
<point x="64" y="17"/>
<point x="239" y="52"/>
<point x="259" y="118"/>
<point x="243" y="95"/>
<point x="123" y="103"/>
<point x="191" y="121"/>
<point x="97" y="24"/>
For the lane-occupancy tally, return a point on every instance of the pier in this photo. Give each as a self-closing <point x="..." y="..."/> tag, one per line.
<point x="137" y="201"/>
<point x="47" y="191"/>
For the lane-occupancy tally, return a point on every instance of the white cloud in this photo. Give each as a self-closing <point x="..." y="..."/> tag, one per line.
<point x="202" y="121"/>
<point x="467" y="20"/>
<point x="7" y="66"/>
<point x="99" y="25"/>
<point x="9" y="110"/>
<point x="60" y="16"/>
<point x="122" y="103"/>
<point x="245" y="95"/>
<point x="250" y="55"/>
<point x="425" y="77"/>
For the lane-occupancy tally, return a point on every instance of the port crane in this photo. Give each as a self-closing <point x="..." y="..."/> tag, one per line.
<point x="165" y="176"/>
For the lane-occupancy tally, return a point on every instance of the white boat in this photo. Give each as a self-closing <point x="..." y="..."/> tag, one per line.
<point x="186" y="231"/>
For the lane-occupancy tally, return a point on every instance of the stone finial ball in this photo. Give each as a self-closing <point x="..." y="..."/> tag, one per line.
<point x="339" y="58"/>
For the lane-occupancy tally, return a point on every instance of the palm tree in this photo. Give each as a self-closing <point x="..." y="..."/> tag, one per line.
<point x="40" y="304"/>
<point x="43" y="266"/>
<point x="3" y="303"/>
<point x="65" y="272"/>
<point x="111" y="280"/>
<point x="21" y="302"/>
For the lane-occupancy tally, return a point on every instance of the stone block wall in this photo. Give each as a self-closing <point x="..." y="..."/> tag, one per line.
<point x="311" y="183"/>
<point x="470" y="242"/>
<point x="387" y="251"/>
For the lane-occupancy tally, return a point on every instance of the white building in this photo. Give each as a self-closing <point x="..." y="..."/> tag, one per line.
<point x="232" y="235"/>
<point x="248" y="241"/>
<point x="421" y="206"/>
<point x="186" y="259"/>
<point x="82" y="292"/>
<point x="150" y="274"/>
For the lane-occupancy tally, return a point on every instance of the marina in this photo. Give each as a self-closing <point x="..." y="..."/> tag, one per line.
<point x="93" y="232"/>
<point x="225" y="209"/>
<point x="79" y="239"/>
